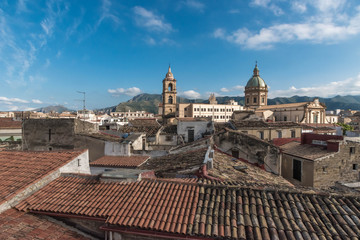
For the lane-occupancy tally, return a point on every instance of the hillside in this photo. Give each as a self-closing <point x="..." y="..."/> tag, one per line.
<point x="150" y="102"/>
<point x="58" y="108"/>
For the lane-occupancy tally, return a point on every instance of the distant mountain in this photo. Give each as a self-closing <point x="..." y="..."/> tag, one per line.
<point x="58" y="108"/>
<point x="150" y="102"/>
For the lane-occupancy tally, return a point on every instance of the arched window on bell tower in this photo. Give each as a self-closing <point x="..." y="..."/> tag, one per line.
<point x="170" y="87"/>
<point x="170" y="100"/>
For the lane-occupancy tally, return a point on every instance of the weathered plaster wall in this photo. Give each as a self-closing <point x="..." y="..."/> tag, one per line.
<point x="250" y="148"/>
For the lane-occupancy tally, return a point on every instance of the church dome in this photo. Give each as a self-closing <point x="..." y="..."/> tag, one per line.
<point x="256" y="80"/>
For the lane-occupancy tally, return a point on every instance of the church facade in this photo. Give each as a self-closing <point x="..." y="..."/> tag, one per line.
<point x="256" y="93"/>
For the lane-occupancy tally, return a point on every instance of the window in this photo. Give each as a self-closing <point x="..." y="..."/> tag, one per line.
<point x="355" y="166"/>
<point x="261" y="135"/>
<point x="315" y="118"/>
<point x="49" y="135"/>
<point x="297" y="169"/>
<point x="254" y="99"/>
<point x="285" y="118"/>
<point x="168" y="138"/>
<point x="185" y="109"/>
<point x="352" y="150"/>
<point x="235" y="153"/>
<point x="324" y="169"/>
<point x="263" y="100"/>
<point x="279" y="133"/>
<point x="79" y="162"/>
<point x="247" y="100"/>
<point x="293" y="133"/>
<point x="170" y="87"/>
<point x="170" y="100"/>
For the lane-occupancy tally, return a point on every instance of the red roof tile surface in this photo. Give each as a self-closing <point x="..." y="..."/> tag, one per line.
<point x="10" y="123"/>
<point x="119" y="161"/>
<point x="19" y="170"/>
<point x="194" y="209"/>
<point x="281" y="141"/>
<point x="19" y="225"/>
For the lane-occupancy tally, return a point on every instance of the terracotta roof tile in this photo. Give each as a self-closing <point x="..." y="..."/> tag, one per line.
<point x="197" y="209"/>
<point x="19" y="225"/>
<point x="281" y="141"/>
<point x="306" y="151"/>
<point x="19" y="170"/>
<point x="119" y="161"/>
<point x="10" y="123"/>
<point x="185" y="162"/>
<point x="249" y="175"/>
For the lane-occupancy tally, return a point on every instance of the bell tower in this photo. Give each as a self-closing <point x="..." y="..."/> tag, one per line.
<point x="169" y="94"/>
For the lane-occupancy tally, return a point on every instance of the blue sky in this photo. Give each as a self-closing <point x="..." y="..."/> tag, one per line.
<point x="114" y="50"/>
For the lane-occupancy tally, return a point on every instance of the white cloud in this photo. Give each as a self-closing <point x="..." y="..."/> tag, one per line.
<point x="13" y="108"/>
<point x="315" y="32"/>
<point x="12" y="100"/>
<point x="299" y="6"/>
<point x="190" y="94"/>
<point x="21" y="6"/>
<point x="233" y="89"/>
<point x="133" y="91"/>
<point x="194" y="4"/>
<point x="266" y="4"/>
<point x="328" y="5"/>
<point x="329" y="25"/>
<point x="36" y="101"/>
<point x="350" y="86"/>
<point x="224" y="90"/>
<point x="106" y="13"/>
<point x="147" y="19"/>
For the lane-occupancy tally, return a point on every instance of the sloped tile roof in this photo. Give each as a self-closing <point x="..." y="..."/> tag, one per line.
<point x="19" y="225"/>
<point x="282" y="141"/>
<point x="306" y="151"/>
<point x="194" y="209"/>
<point x="173" y="163"/>
<point x="144" y="122"/>
<point x="149" y="130"/>
<point x="19" y="170"/>
<point x="119" y="161"/>
<point x="250" y="175"/>
<point x="9" y="123"/>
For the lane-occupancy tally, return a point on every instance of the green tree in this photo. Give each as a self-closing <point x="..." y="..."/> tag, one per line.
<point x="345" y="127"/>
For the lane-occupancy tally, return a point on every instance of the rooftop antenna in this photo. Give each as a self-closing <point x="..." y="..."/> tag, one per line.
<point x="83" y="99"/>
<point x="84" y="107"/>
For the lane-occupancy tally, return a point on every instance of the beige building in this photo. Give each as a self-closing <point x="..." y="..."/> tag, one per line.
<point x="303" y="112"/>
<point x="268" y="130"/>
<point x="217" y="112"/>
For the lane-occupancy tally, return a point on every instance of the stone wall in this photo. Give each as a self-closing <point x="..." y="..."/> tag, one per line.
<point x="85" y="127"/>
<point x="339" y="167"/>
<point x="250" y="148"/>
<point x="48" y="134"/>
